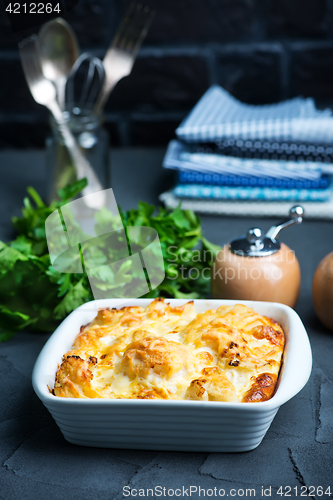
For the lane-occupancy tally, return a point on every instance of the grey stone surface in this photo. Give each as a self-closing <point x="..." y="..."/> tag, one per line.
<point x="258" y="467"/>
<point x="92" y="469"/>
<point x="37" y="462"/>
<point x="313" y="465"/>
<point x="325" y="430"/>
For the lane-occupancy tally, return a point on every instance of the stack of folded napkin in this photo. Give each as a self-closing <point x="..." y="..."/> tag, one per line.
<point x="227" y="150"/>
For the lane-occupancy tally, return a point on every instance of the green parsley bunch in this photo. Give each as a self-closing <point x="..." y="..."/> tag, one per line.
<point x="34" y="295"/>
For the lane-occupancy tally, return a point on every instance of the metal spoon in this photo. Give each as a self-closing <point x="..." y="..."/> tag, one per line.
<point x="59" y="49"/>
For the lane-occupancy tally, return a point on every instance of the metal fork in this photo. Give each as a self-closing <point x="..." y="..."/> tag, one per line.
<point x="44" y="92"/>
<point x="121" y="55"/>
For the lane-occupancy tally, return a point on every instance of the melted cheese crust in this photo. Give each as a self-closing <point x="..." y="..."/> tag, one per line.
<point x="162" y="352"/>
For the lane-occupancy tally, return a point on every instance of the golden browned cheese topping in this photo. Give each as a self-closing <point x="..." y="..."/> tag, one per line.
<point x="162" y="352"/>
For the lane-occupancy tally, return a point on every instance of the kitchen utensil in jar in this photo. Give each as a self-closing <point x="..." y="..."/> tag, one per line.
<point x="85" y="82"/>
<point x="120" y="57"/>
<point x="44" y="92"/>
<point x="59" y="49"/>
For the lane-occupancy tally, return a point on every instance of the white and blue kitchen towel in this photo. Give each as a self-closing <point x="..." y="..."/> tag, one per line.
<point x="179" y="157"/>
<point x="248" y="208"/>
<point x="250" y="193"/>
<point x="219" y="115"/>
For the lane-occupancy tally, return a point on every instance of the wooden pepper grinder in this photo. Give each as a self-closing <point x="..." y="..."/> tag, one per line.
<point x="256" y="267"/>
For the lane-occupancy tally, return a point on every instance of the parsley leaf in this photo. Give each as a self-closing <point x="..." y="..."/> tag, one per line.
<point x="34" y="295"/>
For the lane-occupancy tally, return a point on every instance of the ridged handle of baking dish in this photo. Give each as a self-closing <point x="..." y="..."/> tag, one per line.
<point x="294" y="376"/>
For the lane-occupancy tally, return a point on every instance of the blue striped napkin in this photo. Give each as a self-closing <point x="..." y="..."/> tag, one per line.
<point x="179" y="157"/>
<point x="219" y="115"/>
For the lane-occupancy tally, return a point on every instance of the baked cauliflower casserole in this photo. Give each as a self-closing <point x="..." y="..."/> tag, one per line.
<point x="162" y="352"/>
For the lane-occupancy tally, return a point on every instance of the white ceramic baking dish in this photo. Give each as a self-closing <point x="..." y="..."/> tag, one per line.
<point x="170" y="425"/>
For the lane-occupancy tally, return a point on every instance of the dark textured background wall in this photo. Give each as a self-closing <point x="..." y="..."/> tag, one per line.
<point x="261" y="51"/>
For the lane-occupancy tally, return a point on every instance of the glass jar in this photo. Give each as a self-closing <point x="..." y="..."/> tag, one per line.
<point x="93" y="140"/>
